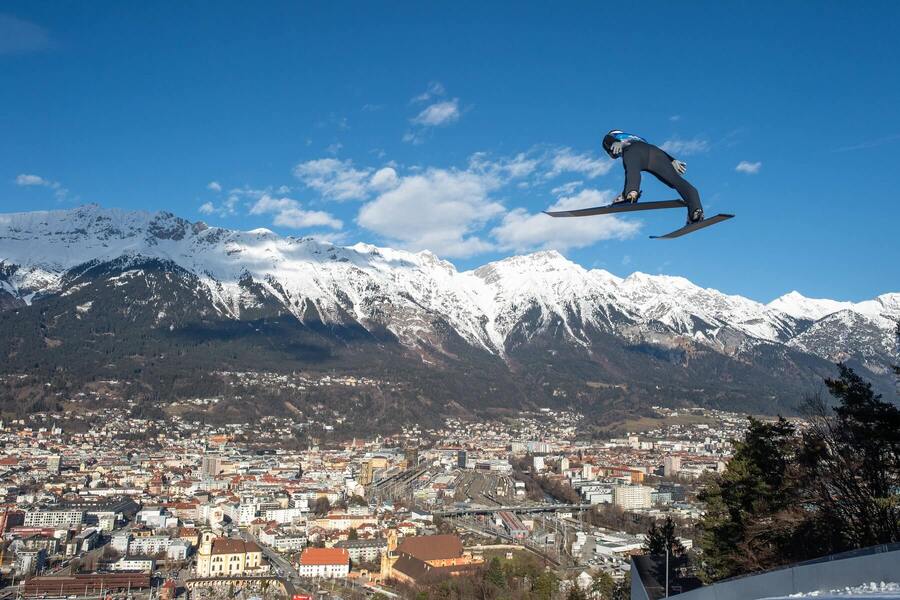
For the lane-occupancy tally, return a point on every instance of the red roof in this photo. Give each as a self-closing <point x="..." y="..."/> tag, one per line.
<point x="431" y="547"/>
<point x="233" y="546"/>
<point x="324" y="556"/>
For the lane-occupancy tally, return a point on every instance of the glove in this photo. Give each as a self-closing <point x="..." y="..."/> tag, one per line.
<point x="616" y="148"/>
<point x="679" y="166"/>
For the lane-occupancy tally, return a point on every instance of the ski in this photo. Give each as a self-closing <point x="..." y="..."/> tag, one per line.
<point x="692" y="227"/>
<point x="618" y="208"/>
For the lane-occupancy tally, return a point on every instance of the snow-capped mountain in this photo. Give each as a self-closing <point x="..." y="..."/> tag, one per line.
<point x="404" y="291"/>
<point x="429" y="307"/>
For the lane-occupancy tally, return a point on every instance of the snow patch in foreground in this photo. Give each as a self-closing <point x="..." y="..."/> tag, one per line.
<point x="869" y="591"/>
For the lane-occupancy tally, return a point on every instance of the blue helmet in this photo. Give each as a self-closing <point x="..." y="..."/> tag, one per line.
<point x="617" y="135"/>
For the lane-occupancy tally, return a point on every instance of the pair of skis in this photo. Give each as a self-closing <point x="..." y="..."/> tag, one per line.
<point x="636" y="206"/>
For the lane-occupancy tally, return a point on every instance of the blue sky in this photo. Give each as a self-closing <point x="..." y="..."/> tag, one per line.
<point x="449" y="126"/>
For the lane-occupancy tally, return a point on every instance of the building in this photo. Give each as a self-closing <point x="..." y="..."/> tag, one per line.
<point x="83" y="541"/>
<point x="630" y="497"/>
<point x="77" y="585"/>
<point x="37" y="542"/>
<point x="512" y="524"/>
<point x="366" y="472"/>
<point x="30" y="561"/>
<point x="54" y="518"/>
<point x="324" y="562"/>
<point x="120" y="541"/>
<point x="363" y="550"/>
<point x="671" y="466"/>
<point x="211" y="465"/>
<point x="136" y="564"/>
<point x="284" y="540"/>
<point x="228" y="557"/>
<point x="149" y="545"/>
<point x="411" y="456"/>
<point x="54" y="463"/>
<point x="104" y="514"/>
<point x="178" y="550"/>
<point x="284" y="515"/>
<point x="420" y="558"/>
<point x="342" y="521"/>
<point x="596" y="493"/>
<point x="462" y="459"/>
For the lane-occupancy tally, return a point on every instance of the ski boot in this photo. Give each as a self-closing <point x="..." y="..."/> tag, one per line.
<point x="694" y="217"/>
<point x="629" y="198"/>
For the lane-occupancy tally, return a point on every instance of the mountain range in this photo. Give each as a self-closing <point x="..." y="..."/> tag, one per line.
<point x="93" y="293"/>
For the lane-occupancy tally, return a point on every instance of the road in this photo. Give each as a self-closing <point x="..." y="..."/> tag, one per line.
<point x="280" y="565"/>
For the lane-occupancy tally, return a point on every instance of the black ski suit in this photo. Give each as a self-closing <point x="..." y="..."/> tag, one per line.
<point x="640" y="156"/>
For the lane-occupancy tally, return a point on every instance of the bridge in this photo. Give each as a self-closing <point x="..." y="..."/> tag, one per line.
<point x="487" y="510"/>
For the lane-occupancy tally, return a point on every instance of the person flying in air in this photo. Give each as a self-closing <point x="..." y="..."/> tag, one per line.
<point x="638" y="155"/>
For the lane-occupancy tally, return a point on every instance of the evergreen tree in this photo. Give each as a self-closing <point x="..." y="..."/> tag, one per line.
<point x="851" y="466"/>
<point x="659" y="539"/>
<point x="747" y="507"/>
<point x="322" y="506"/>
<point x="576" y="593"/>
<point x="622" y="590"/>
<point x="604" y="585"/>
<point x="544" y="586"/>
<point x="494" y="574"/>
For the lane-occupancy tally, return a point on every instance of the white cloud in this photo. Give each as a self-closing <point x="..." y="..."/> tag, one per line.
<point x="681" y="147"/>
<point x="438" y="114"/>
<point x="750" y="168"/>
<point x="29" y="180"/>
<point x="227" y="208"/>
<point x="504" y="169"/>
<point x="874" y="143"/>
<point x="675" y="118"/>
<point x="438" y="210"/>
<point x="268" y="204"/>
<point x="334" y="179"/>
<point x="566" y="189"/>
<point x="298" y="219"/>
<point x="434" y="89"/>
<point x="522" y="231"/>
<point x="214" y="186"/>
<point x="565" y="160"/>
<point x="289" y="213"/>
<point x="414" y="137"/>
<point x="384" y="179"/>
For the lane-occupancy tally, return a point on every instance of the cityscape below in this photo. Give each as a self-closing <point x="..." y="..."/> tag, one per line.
<point x="207" y="508"/>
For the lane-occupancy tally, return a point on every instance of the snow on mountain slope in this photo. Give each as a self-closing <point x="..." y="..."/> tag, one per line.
<point x="413" y="294"/>
<point x="813" y="309"/>
<point x="801" y="307"/>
